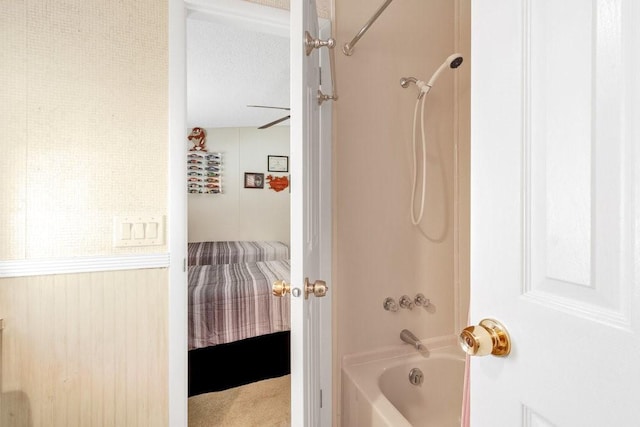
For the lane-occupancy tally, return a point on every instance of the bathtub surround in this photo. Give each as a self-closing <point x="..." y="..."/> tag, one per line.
<point x="378" y="252"/>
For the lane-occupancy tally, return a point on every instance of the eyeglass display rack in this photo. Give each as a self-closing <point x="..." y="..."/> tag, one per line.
<point x="204" y="172"/>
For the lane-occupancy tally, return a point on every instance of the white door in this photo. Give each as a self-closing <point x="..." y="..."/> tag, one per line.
<point x="310" y="228"/>
<point x="555" y="229"/>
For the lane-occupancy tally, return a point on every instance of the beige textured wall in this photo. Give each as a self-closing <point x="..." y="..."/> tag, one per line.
<point x="83" y="136"/>
<point x="83" y="123"/>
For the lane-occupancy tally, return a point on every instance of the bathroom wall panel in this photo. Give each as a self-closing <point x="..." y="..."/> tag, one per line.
<point x="84" y="349"/>
<point x="378" y="253"/>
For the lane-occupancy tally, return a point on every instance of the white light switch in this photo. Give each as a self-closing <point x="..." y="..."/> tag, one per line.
<point x="152" y="230"/>
<point x="138" y="231"/>
<point x="126" y="231"/>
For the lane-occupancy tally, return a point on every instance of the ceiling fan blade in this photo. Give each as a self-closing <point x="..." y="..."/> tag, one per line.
<point x="267" y="106"/>
<point x="275" y="122"/>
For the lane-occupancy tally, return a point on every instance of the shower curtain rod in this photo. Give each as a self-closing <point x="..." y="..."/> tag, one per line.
<point x="347" y="49"/>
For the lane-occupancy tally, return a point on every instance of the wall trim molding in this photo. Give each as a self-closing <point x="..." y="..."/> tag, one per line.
<point x="47" y="267"/>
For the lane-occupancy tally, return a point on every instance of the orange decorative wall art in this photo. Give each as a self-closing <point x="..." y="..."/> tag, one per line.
<point x="277" y="183"/>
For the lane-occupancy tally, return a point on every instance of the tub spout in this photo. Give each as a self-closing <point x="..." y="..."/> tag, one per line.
<point x="408" y="337"/>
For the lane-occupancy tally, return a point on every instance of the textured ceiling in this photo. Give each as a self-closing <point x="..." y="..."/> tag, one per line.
<point x="228" y="68"/>
<point x="323" y="6"/>
<point x="231" y="65"/>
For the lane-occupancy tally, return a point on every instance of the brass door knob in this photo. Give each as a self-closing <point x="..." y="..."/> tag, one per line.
<point x="280" y="288"/>
<point x="490" y="337"/>
<point x="318" y="288"/>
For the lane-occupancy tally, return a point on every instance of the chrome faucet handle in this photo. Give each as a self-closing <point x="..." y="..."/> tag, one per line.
<point x="406" y="302"/>
<point x="422" y="301"/>
<point x="390" y="304"/>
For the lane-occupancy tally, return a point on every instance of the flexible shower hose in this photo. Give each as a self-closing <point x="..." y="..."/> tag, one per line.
<point x="414" y="221"/>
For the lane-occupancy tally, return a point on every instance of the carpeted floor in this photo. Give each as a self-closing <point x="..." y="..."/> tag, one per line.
<point x="261" y="404"/>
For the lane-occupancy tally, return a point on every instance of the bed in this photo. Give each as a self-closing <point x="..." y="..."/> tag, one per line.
<point x="231" y="302"/>
<point x="234" y="321"/>
<point x="214" y="253"/>
<point x="238" y="331"/>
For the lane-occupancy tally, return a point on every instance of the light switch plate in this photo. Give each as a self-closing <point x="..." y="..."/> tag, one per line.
<point x="138" y="230"/>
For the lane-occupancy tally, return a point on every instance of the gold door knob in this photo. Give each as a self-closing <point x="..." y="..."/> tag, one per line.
<point x="318" y="288"/>
<point x="280" y="288"/>
<point x="490" y="337"/>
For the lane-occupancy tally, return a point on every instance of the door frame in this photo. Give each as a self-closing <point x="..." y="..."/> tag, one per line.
<point x="177" y="216"/>
<point x="270" y="20"/>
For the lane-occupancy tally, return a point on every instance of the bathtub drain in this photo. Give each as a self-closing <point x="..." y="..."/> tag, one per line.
<point x="416" y="377"/>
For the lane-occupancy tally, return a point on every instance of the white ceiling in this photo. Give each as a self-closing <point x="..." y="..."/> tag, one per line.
<point x="230" y="67"/>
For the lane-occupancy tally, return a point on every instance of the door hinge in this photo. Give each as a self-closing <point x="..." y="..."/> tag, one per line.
<point x="184" y="264"/>
<point x="320" y="398"/>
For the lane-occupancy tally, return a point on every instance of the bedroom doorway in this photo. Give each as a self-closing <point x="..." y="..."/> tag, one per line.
<point x="239" y="235"/>
<point x="303" y="229"/>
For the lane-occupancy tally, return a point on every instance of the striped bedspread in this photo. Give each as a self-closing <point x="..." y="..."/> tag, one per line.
<point x="231" y="302"/>
<point x="210" y="253"/>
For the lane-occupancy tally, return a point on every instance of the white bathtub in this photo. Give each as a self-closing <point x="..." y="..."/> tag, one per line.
<point x="376" y="390"/>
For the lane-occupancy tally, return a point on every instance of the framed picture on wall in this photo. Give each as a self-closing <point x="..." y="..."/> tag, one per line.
<point x="278" y="163"/>
<point x="253" y="180"/>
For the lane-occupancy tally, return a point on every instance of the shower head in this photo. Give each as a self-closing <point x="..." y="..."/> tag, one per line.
<point x="453" y="61"/>
<point x="456" y="60"/>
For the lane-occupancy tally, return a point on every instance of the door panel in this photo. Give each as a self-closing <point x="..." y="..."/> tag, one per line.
<point x="310" y="233"/>
<point x="573" y="137"/>
<point x="555" y="220"/>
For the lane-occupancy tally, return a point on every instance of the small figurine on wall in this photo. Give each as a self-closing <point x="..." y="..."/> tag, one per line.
<point x="277" y="183"/>
<point x="198" y="138"/>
